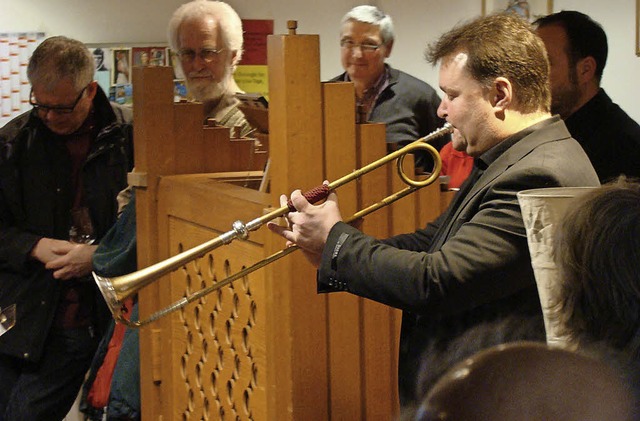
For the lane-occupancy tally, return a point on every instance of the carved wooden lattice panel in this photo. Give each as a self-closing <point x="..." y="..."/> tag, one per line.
<point x="218" y="341"/>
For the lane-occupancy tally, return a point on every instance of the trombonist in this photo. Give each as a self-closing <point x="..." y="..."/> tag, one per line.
<point x="472" y="264"/>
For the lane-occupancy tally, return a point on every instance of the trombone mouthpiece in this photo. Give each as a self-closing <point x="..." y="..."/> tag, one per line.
<point x="446" y="128"/>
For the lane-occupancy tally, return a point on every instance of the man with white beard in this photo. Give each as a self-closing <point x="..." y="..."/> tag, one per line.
<point x="206" y="37"/>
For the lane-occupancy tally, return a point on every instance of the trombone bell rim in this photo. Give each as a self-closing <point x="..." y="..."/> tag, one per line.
<point x="109" y="294"/>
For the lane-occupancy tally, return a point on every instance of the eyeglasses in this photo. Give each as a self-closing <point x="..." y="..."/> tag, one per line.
<point x="365" y="48"/>
<point x="58" y="109"/>
<point x="206" y="54"/>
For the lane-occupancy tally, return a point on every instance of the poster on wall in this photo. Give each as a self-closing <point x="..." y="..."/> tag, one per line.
<point x="158" y="56"/>
<point x="529" y="9"/>
<point x="251" y="74"/>
<point x="121" y="70"/>
<point x="149" y="56"/>
<point x="174" y="63"/>
<point x="140" y="56"/>
<point x="102" y="60"/>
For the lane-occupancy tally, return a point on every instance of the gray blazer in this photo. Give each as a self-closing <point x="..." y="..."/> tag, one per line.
<point x="472" y="264"/>
<point x="408" y="106"/>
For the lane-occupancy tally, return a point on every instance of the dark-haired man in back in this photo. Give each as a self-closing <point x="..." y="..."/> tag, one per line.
<point x="577" y="49"/>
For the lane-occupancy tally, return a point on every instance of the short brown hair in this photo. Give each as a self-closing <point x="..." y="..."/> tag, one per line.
<point x="501" y="45"/>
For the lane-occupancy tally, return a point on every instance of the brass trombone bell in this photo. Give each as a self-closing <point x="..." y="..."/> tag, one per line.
<point x="116" y="289"/>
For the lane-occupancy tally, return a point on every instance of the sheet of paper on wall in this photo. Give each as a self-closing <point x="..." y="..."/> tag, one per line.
<point x="16" y="49"/>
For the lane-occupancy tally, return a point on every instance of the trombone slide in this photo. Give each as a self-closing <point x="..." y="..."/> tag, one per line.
<point x="116" y="289"/>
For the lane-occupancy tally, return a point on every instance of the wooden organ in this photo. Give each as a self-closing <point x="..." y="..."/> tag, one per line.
<point x="268" y="347"/>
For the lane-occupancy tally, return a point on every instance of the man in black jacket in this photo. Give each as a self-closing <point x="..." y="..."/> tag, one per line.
<point x="61" y="167"/>
<point x="577" y="48"/>
<point x="472" y="265"/>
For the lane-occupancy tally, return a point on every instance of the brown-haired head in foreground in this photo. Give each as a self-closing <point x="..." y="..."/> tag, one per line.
<point x="529" y="381"/>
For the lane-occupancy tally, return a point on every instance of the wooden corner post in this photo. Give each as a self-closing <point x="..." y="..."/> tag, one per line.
<point x="297" y="366"/>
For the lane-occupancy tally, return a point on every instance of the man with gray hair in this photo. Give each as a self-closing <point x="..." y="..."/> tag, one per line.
<point x="407" y="105"/>
<point x="62" y="165"/>
<point x="206" y="37"/>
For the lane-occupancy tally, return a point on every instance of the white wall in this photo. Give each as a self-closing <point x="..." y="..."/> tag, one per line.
<point x="91" y="21"/>
<point x="417" y="23"/>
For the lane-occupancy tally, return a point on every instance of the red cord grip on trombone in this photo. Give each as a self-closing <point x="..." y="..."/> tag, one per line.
<point x="313" y="196"/>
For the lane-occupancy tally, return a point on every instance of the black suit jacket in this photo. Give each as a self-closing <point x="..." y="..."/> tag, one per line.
<point x="609" y="136"/>
<point x="472" y="264"/>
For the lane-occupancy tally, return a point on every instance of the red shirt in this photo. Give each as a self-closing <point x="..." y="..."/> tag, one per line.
<point x="456" y="164"/>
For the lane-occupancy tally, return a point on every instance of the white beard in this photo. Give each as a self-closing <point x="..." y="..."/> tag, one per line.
<point x="205" y="90"/>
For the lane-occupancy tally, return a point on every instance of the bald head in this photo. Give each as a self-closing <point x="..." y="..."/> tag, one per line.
<point x="529" y="381"/>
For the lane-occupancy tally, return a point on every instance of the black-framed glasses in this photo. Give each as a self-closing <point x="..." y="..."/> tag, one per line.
<point x="58" y="109"/>
<point x="206" y="54"/>
<point x="366" y="47"/>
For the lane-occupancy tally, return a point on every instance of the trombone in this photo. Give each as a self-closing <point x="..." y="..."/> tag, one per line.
<point x="116" y="289"/>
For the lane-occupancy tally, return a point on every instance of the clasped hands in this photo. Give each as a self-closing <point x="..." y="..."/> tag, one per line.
<point x="309" y="226"/>
<point x="66" y="259"/>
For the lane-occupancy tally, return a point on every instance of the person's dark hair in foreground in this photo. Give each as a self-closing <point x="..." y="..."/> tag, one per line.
<point x="530" y="381"/>
<point x="437" y="359"/>
<point x="597" y="250"/>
